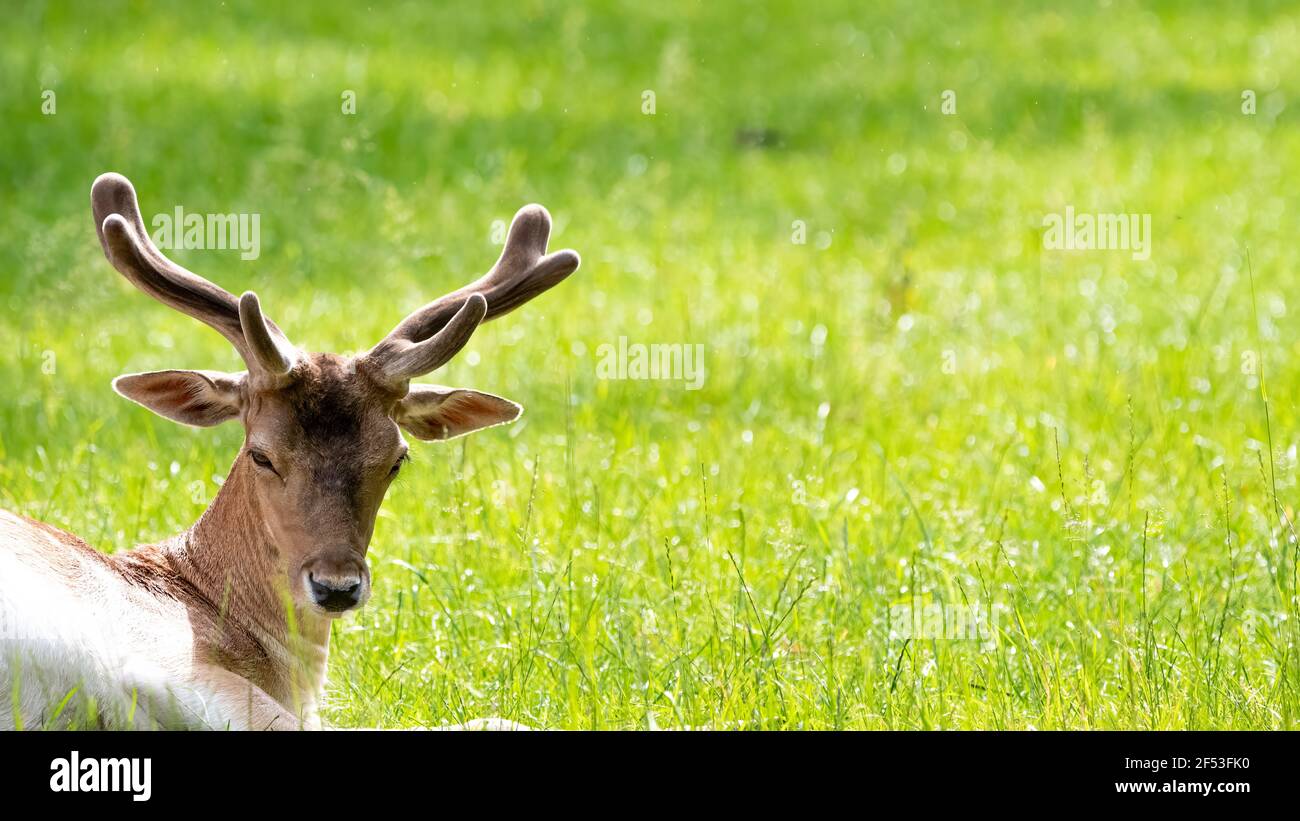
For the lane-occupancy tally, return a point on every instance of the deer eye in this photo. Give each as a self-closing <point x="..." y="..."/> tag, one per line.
<point x="261" y="461"/>
<point x="397" y="466"/>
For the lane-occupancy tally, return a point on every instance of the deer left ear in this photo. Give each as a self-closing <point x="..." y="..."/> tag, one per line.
<point x="198" y="398"/>
<point x="432" y="412"/>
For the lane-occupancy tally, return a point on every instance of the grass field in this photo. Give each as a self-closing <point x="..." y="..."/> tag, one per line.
<point x="917" y="406"/>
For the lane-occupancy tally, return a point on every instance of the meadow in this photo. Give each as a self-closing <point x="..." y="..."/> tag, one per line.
<point x="910" y="404"/>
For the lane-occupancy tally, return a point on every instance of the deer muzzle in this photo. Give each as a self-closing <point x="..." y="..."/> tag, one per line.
<point x="337" y="583"/>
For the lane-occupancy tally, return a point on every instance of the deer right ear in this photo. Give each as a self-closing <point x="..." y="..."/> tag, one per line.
<point x="432" y="412"/>
<point x="198" y="398"/>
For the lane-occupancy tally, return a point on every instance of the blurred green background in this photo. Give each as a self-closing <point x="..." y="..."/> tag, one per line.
<point x="919" y="404"/>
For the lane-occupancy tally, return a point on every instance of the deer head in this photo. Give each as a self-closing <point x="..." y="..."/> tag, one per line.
<point x="323" y="433"/>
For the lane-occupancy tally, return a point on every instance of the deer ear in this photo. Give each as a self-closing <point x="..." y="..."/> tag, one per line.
<point x="198" y="398"/>
<point x="431" y="412"/>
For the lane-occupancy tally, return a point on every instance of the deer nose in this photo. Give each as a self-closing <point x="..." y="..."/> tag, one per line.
<point x="335" y="594"/>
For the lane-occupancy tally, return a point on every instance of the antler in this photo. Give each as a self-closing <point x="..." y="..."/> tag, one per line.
<point x="432" y="335"/>
<point x="263" y="346"/>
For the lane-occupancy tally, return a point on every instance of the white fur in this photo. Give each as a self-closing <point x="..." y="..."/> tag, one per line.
<point x="128" y="655"/>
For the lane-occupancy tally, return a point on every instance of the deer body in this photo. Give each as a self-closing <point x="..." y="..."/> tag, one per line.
<point x="226" y="626"/>
<point x="186" y="633"/>
<point x="133" y="635"/>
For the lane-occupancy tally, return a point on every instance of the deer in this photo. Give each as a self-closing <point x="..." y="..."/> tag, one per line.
<point x="227" y="625"/>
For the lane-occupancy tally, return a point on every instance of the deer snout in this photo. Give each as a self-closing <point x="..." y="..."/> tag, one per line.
<point x="337" y="586"/>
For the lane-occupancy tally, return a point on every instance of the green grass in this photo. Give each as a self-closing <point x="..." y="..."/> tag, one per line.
<point x="1096" y="459"/>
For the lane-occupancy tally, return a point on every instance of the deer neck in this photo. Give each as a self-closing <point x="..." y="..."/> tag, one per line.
<point x="230" y="557"/>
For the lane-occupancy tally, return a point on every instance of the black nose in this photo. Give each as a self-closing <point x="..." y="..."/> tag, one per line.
<point x="335" y="596"/>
